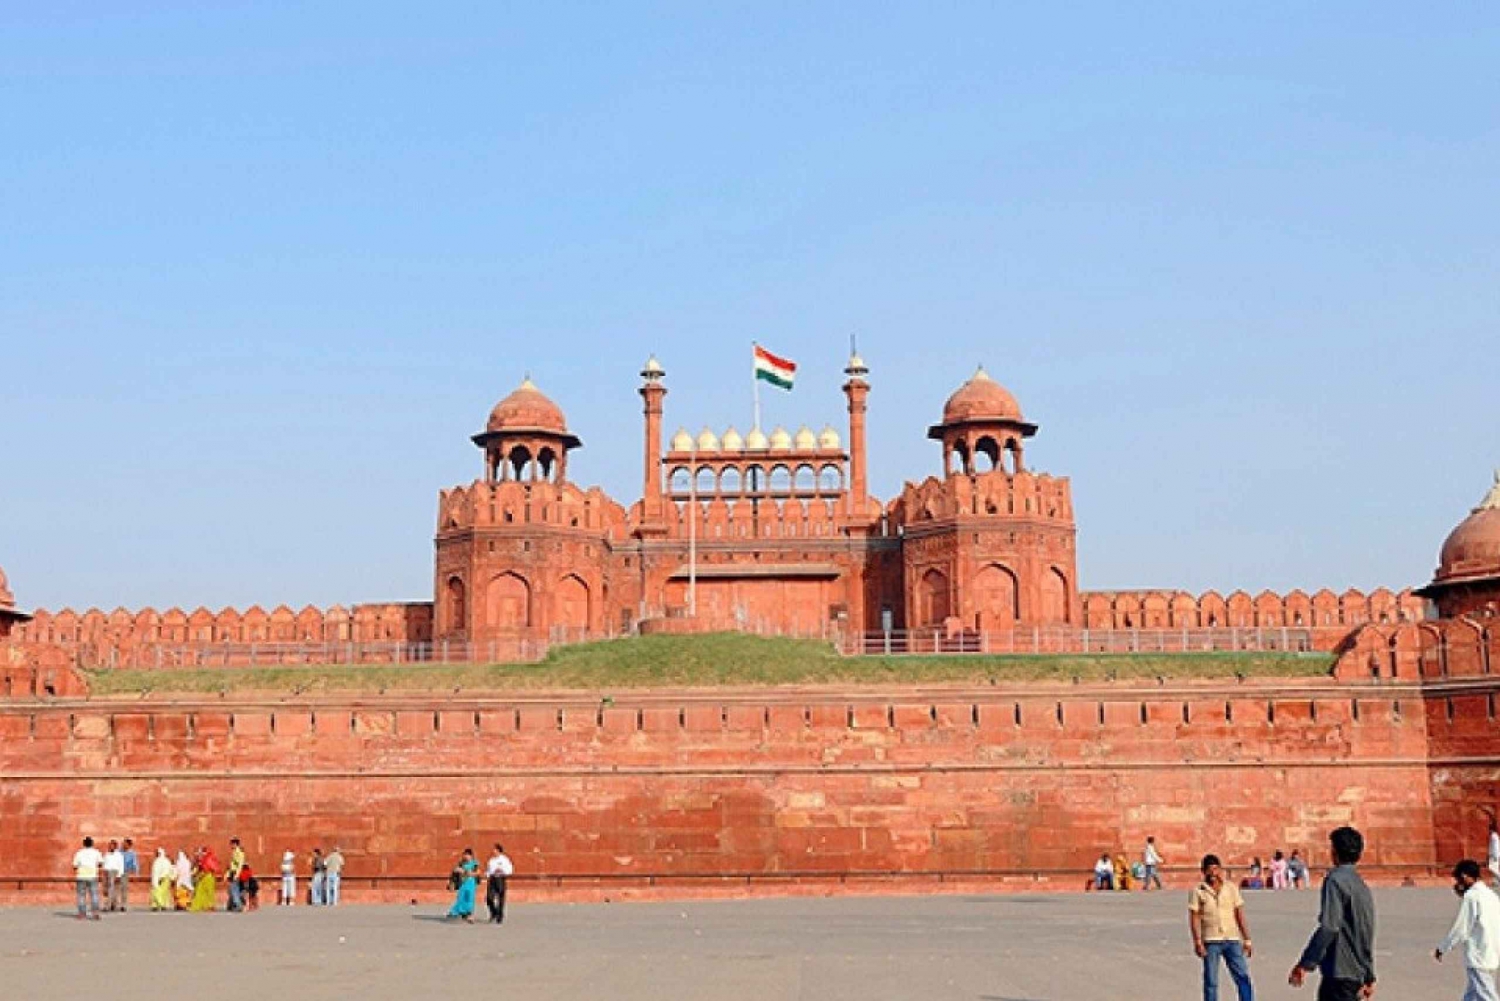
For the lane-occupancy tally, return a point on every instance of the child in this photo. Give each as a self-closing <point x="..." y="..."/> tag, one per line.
<point x="249" y="888"/>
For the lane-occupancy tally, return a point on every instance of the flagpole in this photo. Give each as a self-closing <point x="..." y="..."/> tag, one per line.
<point x="754" y="385"/>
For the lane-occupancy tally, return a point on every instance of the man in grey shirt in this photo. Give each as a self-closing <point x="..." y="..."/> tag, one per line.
<point x="1342" y="948"/>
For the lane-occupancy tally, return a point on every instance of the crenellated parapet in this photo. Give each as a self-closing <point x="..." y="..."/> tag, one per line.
<point x="1024" y="495"/>
<point x="96" y="634"/>
<point x="1153" y="609"/>
<point x="520" y="503"/>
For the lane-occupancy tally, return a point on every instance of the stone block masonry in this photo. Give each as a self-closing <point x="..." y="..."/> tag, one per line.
<point x="736" y="792"/>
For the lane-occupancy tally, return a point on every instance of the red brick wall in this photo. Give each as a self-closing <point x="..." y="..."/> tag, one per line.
<point x="1014" y="787"/>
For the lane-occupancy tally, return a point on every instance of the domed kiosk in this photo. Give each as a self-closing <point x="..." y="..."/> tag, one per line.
<point x="526" y="437"/>
<point x="9" y="614"/>
<point x="981" y="418"/>
<point x="1467" y="581"/>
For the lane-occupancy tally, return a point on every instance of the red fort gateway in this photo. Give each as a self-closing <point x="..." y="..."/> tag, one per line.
<point x="768" y="531"/>
<point x="774" y="531"/>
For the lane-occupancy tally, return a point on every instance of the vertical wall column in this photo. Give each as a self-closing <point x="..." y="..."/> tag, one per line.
<point x="652" y="393"/>
<point x="857" y="390"/>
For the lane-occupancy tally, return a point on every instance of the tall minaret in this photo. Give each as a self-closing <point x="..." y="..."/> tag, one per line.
<point x="652" y="392"/>
<point x="857" y="389"/>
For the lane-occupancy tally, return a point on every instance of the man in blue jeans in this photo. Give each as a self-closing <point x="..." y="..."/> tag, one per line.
<point x="1216" y="917"/>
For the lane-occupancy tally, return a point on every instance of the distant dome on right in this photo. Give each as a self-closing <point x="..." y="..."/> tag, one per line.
<point x="1467" y="581"/>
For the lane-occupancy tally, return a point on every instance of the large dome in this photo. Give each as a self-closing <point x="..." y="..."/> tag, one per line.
<point x="527" y="409"/>
<point x="1472" y="550"/>
<point x="981" y="399"/>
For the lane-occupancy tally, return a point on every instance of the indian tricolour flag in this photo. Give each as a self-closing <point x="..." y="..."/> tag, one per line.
<point x="774" y="369"/>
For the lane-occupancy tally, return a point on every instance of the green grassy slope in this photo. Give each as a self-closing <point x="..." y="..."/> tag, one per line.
<point x="722" y="659"/>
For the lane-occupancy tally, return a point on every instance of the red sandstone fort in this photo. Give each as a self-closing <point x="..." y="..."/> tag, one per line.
<point x="772" y="532"/>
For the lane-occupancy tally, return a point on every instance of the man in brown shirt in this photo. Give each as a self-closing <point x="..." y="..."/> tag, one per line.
<point x="1216" y="917"/>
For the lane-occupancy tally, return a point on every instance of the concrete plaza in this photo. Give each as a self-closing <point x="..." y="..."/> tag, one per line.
<point x="991" y="948"/>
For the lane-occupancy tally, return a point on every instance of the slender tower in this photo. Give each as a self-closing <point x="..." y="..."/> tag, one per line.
<point x="652" y="392"/>
<point x="857" y="389"/>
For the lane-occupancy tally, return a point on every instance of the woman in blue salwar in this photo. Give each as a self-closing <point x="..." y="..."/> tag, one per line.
<point x="465" y="880"/>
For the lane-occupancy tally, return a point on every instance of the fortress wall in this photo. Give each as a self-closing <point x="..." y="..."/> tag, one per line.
<point x="1330" y="617"/>
<point x="1022" y="788"/>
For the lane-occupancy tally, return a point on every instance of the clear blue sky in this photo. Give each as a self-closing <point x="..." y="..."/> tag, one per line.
<point x="264" y="267"/>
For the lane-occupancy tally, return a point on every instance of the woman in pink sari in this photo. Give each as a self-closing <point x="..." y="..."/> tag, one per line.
<point x="1279" y="878"/>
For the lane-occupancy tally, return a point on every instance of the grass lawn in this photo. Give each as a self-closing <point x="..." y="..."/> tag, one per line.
<point x="722" y="659"/>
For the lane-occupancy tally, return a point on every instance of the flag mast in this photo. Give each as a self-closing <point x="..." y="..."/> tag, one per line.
<point x="754" y="385"/>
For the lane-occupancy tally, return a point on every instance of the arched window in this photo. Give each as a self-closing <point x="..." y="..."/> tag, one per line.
<point x="520" y="462"/>
<point x="989" y="448"/>
<point x="730" y="481"/>
<point x="806" y="480"/>
<point x="781" y="480"/>
<point x="707" y="481"/>
<point x="680" y="481"/>
<point x="830" y="480"/>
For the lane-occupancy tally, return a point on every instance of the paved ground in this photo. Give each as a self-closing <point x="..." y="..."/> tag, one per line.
<point x="1003" y="948"/>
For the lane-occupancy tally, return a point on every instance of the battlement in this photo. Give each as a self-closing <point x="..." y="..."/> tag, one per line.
<point x="995" y="493"/>
<point x="95" y="630"/>
<point x="1341" y="613"/>
<point x="525" y="503"/>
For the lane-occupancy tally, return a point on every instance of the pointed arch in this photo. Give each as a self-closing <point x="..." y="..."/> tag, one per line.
<point x="507" y="602"/>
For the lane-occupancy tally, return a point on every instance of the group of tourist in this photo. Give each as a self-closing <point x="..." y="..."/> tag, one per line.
<point x="191" y="882"/>
<point x="464" y="882"/>
<point x="1342" y="947"/>
<point x="1284" y="873"/>
<point x="1112" y="872"/>
<point x="325" y="878"/>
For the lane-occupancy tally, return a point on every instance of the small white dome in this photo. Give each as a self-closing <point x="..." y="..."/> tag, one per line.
<point x="780" y="440"/>
<point x="732" y="441"/>
<point x="806" y="441"/>
<point x="755" y="441"/>
<point x="652" y="369"/>
<point x="708" y="441"/>
<point x="829" y="439"/>
<point x="682" y="441"/>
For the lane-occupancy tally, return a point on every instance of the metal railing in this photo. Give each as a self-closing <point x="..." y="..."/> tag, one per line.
<point x="270" y="653"/>
<point x="1069" y="639"/>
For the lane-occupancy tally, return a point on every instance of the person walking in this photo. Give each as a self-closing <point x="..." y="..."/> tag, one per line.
<point x="131" y="867"/>
<point x="1477" y="929"/>
<point x="288" y="895"/>
<point x="319" y="876"/>
<point x="1494" y="853"/>
<point x="88" y="861"/>
<point x="1342" y="948"/>
<point x="1151" y="862"/>
<point x="1279" y="879"/>
<point x="1216" y="917"/>
<point x="114" y="869"/>
<point x="1296" y="870"/>
<point x="232" y="875"/>
<point x="162" y="874"/>
<point x="333" y="875"/>
<point x="465" y="874"/>
<point x="497" y="870"/>
<point x="184" y="890"/>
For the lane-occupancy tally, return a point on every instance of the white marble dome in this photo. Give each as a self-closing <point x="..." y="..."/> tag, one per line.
<point x="682" y="441"/>
<point x="780" y="440"/>
<point x="756" y="441"/>
<point x="708" y="441"/>
<point x="806" y="441"/>
<point x="828" y="439"/>
<point x="732" y="442"/>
